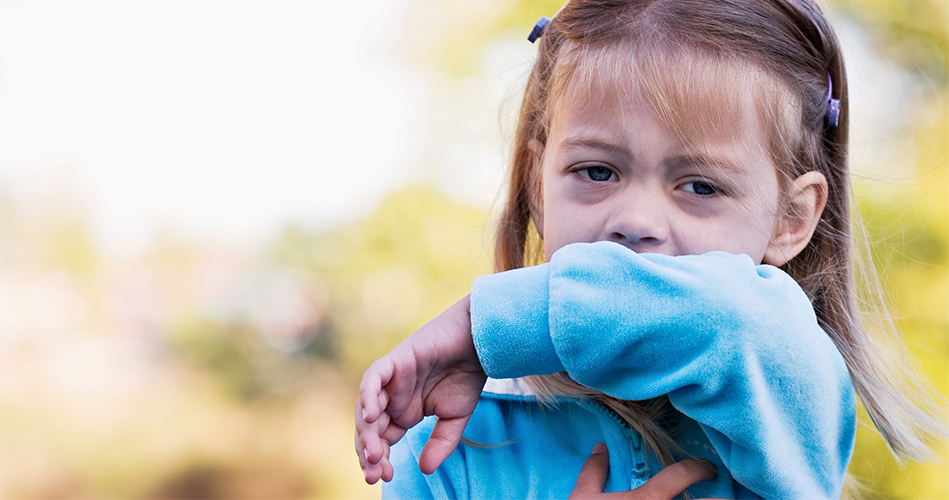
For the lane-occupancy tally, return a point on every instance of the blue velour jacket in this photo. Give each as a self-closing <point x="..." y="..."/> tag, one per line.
<point x="737" y="348"/>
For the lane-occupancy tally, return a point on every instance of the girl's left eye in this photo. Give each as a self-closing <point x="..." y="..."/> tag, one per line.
<point x="700" y="188"/>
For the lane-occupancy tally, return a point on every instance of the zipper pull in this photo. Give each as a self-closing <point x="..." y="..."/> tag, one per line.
<point x="640" y="469"/>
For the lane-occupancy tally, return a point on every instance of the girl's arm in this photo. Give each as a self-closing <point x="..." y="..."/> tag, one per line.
<point x="437" y="372"/>
<point x="433" y="372"/>
<point x="736" y="347"/>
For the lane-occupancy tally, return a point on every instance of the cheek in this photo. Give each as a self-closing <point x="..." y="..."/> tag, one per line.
<point x="755" y="231"/>
<point x="740" y="228"/>
<point x="556" y="227"/>
<point x="565" y="222"/>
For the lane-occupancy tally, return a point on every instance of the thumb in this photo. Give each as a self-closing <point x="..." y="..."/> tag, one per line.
<point x="592" y="476"/>
<point x="676" y="478"/>
<point x="443" y="441"/>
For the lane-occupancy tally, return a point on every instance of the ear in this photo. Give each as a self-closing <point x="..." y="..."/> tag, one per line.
<point x="535" y="187"/>
<point x="807" y="196"/>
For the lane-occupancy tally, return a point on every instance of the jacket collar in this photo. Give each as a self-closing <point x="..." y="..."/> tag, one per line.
<point x="508" y="388"/>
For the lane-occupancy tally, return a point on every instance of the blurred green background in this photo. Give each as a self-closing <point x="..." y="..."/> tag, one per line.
<point x="179" y="349"/>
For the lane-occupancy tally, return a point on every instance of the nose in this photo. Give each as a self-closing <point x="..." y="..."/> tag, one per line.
<point x="640" y="221"/>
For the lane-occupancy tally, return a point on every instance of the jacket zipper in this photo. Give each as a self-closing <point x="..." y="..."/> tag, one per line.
<point x="640" y="468"/>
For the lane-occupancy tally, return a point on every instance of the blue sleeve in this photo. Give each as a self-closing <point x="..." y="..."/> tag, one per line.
<point x="737" y="348"/>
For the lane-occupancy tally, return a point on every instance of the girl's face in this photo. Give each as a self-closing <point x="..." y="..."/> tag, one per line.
<point x="613" y="170"/>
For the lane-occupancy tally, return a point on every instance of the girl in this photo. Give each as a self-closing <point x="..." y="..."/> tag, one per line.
<point x="680" y="170"/>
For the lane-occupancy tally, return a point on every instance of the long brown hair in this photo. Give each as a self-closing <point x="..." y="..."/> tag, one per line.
<point x="790" y="44"/>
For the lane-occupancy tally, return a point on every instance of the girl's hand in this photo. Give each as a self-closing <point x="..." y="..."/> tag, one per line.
<point x="668" y="483"/>
<point x="435" y="371"/>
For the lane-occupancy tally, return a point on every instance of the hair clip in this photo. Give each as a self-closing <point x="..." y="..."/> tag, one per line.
<point x="538" y="29"/>
<point x="833" y="111"/>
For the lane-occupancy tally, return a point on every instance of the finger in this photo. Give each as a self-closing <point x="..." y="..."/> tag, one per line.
<point x="368" y="401"/>
<point x="360" y="452"/>
<point x="370" y="388"/>
<point x="381" y="400"/>
<point x="365" y="433"/>
<point x="377" y="436"/>
<point x="371" y="472"/>
<point x="387" y="471"/>
<point x="368" y="434"/>
<point x="393" y="432"/>
<point x="383" y="469"/>
<point x="444" y="439"/>
<point x="361" y="423"/>
<point x="593" y="474"/>
<point x="367" y="437"/>
<point x="675" y="478"/>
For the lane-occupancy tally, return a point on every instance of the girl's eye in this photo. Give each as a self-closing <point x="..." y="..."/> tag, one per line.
<point x="598" y="174"/>
<point x="700" y="188"/>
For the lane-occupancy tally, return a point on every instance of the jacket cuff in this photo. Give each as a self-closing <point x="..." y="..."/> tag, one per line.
<point x="509" y="323"/>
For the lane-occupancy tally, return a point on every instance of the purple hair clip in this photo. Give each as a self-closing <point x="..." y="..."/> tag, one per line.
<point x="538" y="29"/>
<point x="833" y="111"/>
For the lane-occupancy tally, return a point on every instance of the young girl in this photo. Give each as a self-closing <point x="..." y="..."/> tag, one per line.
<point x="680" y="171"/>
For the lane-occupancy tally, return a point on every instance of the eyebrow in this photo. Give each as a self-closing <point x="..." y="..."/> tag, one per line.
<point x="707" y="161"/>
<point x="592" y="143"/>
<point x="695" y="159"/>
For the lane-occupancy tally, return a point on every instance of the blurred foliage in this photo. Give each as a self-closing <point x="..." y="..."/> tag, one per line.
<point x="215" y="374"/>
<point x="394" y="271"/>
<point x="453" y="35"/>
<point x="908" y="231"/>
<point x="912" y="33"/>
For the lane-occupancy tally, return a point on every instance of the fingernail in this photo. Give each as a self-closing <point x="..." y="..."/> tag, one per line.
<point x="599" y="448"/>
<point x="365" y="414"/>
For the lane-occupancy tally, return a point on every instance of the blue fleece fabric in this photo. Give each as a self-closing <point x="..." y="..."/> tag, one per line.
<point x="735" y="346"/>
<point x="537" y="452"/>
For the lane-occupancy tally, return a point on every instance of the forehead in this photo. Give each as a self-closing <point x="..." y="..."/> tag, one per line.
<point x="704" y="99"/>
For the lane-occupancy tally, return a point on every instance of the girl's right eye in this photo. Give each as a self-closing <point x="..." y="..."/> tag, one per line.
<point x="596" y="173"/>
